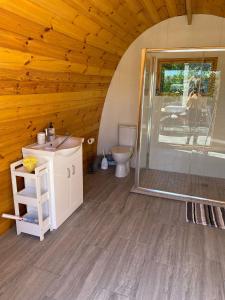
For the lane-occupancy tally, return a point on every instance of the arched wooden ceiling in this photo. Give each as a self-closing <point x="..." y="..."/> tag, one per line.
<point x="57" y="58"/>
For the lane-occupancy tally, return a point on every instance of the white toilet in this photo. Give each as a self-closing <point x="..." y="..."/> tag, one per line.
<point x="123" y="152"/>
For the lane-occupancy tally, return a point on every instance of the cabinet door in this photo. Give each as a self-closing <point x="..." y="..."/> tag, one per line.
<point x="76" y="189"/>
<point x="62" y="177"/>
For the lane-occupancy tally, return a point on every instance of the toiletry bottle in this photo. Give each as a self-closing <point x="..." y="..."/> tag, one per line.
<point x="51" y="132"/>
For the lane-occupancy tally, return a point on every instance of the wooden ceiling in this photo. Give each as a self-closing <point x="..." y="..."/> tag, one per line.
<point x="57" y="58"/>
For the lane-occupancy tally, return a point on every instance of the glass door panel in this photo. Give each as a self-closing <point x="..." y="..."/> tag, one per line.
<point x="182" y="128"/>
<point x="207" y="165"/>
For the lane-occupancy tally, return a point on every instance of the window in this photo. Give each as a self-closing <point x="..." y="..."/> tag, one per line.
<point x="187" y="102"/>
<point x="174" y="75"/>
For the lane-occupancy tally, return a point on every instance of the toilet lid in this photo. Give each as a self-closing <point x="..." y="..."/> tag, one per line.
<point x="121" y="149"/>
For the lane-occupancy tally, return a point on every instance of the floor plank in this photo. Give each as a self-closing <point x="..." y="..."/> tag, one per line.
<point x="117" y="246"/>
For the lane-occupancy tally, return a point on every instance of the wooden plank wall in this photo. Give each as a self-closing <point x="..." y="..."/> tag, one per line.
<point x="57" y="58"/>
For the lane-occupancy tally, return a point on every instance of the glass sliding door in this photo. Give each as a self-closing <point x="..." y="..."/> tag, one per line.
<point x="207" y="167"/>
<point x="181" y="146"/>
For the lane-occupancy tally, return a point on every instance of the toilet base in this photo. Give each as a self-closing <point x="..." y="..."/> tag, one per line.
<point x="122" y="170"/>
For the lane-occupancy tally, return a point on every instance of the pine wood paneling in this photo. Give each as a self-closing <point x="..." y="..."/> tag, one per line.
<point x="171" y="7"/>
<point x="56" y="62"/>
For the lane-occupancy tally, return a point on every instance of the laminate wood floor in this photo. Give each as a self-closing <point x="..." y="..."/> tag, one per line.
<point x="187" y="184"/>
<point x="117" y="246"/>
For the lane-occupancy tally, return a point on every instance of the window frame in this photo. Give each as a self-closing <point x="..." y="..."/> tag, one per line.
<point x="161" y="61"/>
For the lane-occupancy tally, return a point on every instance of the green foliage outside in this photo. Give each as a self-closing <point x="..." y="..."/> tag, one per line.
<point x="172" y="77"/>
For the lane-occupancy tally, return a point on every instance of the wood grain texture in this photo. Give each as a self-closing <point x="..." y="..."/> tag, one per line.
<point x="57" y="59"/>
<point x="117" y="246"/>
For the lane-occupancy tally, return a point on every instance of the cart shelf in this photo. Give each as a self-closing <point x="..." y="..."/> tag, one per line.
<point x="35" y="195"/>
<point x="28" y="196"/>
<point x="33" y="228"/>
<point x="21" y="171"/>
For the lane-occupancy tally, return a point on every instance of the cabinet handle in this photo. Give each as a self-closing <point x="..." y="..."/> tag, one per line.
<point x="74" y="169"/>
<point x="68" y="171"/>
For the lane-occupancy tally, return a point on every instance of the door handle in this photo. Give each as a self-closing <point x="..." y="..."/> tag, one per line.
<point x="68" y="172"/>
<point x="74" y="169"/>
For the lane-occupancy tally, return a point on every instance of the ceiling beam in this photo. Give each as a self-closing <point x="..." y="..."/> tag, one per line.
<point x="189" y="11"/>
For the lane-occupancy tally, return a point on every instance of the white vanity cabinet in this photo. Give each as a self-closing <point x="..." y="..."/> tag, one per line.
<point x="65" y="176"/>
<point x="76" y="182"/>
<point x="68" y="183"/>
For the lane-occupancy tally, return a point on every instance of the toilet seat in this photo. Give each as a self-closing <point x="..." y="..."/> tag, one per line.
<point x="121" y="149"/>
<point x="122" y="154"/>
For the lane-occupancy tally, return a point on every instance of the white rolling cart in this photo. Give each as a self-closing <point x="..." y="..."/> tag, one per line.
<point x="35" y="195"/>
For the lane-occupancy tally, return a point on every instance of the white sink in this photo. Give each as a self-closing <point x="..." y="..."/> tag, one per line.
<point x="70" y="145"/>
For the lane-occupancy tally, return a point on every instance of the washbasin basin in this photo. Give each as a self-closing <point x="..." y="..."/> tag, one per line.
<point x="62" y="145"/>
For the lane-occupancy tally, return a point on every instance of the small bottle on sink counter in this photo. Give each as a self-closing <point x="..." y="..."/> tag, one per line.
<point x="50" y="132"/>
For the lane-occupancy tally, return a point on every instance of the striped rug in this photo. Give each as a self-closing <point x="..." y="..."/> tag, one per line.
<point x="203" y="214"/>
